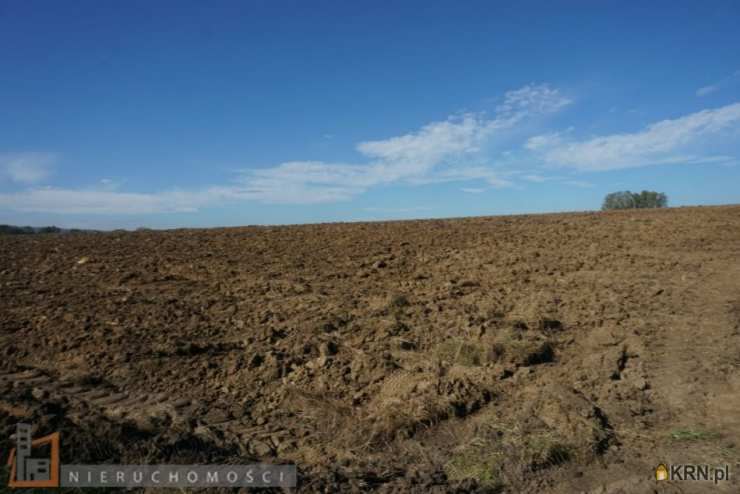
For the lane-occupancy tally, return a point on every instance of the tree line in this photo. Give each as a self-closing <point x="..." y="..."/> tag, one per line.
<point x="31" y="230"/>
<point x="634" y="200"/>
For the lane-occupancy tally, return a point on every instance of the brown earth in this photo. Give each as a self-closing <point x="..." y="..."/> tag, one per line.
<point x="552" y="353"/>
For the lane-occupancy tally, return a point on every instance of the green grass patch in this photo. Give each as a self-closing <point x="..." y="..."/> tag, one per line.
<point x="475" y="463"/>
<point x="693" y="435"/>
<point x="461" y="352"/>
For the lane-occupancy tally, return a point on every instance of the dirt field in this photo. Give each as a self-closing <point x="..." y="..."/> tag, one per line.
<point x="552" y="353"/>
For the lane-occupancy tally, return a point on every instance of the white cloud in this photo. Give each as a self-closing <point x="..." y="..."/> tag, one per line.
<point x="473" y="190"/>
<point x="434" y="143"/>
<point x="535" y="177"/>
<point x="579" y="183"/>
<point x="681" y="140"/>
<point x="532" y="99"/>
<point x="438" y="152"/>
<point x="727" y="81"/>
<point x="397" y="210"/>
<point x="312" y="173"/>
<point x="109" y="184"/>
<point x="543" y="141"/>
<point x="463" y="174"/>
<point x="105" y="198"/>
<point x="71" y="201"/>
<point x="430" y="155"/>
<point x="703" y="91"/>
<point x="26" y="168"/>
<point x="458" y="136"/>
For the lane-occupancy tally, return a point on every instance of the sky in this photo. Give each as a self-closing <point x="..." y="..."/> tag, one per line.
<point x="167" y="114"/>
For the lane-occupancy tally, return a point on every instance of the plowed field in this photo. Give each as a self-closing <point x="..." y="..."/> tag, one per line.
<point x="551" y="353"/>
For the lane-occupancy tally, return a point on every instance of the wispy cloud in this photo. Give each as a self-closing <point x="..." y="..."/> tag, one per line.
<point x="532" y="99"/>
<point x="413" y="209"/>
<point x="437" y="152"/>
<point x="680" y="140"/>
<point x="89" y="201"/>
<point x="539" y="179"/>
<point x="734" y="78"/>
<point x="579" y="183"/>
<point x="456" y="149"/>
<point x="543" y="141"/>
<point x="26" y="168"/>
<point x="535" y="177"/>
<point x="451" y="150"/>
<point x="457" y="136"/>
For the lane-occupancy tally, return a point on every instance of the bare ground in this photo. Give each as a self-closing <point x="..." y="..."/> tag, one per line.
<point x="552" y="353"/>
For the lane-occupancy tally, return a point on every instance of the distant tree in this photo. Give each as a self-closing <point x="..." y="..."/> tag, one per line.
<point x="630" y="200"/>
<point x="28" y="230"/>
<point x="15" y="230"/>
<point x="619" y="200"/>
<point x="651" y="199"/>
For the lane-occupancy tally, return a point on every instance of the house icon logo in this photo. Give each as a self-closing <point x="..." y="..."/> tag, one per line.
<point x="27" y="471"/>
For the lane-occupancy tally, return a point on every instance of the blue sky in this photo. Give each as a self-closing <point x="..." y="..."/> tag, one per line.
<point x="171" y="114"/>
